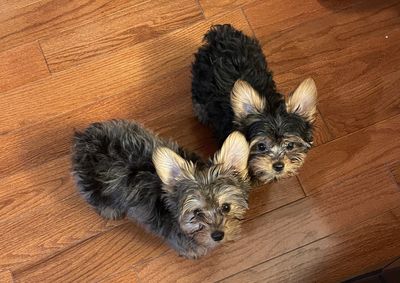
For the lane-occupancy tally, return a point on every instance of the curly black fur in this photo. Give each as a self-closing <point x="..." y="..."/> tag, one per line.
<point x="226" y="56"/>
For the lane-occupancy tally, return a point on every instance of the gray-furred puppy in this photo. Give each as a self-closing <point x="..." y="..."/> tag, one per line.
<point x="121" y="169"/>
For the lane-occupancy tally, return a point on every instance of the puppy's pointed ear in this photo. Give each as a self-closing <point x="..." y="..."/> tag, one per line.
<point x="170" y="166"/>
<point x="245" y="100"/>
<point x="234" y="153"/>
<point x="303" y="101"/>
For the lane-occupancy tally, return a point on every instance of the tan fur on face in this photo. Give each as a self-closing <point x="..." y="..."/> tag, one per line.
<point x="170" y="166"/>
<point x="245" y="100"/>
<point x="238" y="204"/>
<point x="260" y="164"/>
<point x="213" y="218"/>
<point x="303" y="101"/>
<point x="262" y="168"/>
<point x="232" y="229"/>
<point x="234" y="154"/>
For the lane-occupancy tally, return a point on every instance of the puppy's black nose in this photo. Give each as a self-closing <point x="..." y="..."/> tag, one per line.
<point x="217" y="235"/>
<point x="278" y="166"/>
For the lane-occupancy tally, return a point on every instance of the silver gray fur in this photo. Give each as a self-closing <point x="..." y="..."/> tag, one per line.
<point x="114" y="172"/>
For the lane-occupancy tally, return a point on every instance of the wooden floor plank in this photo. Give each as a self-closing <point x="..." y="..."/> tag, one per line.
<point x="350" y="42"/>
<point x="38" y="190"/>
<point x="40" y="193"/>
<point x="212" y="8"/>
<point x="352" y="154"/>
<point x="12" y="5"/>
<point x="6" y="276"/>
<point x="131" y="60"/>
<point x="128" y="275"/>
<point x="272" y="196"/>
<point x="143" y="21"/>
<point x="348" y="103"/>
<point x="43" y="185"/>
<point x="49" y="202"/>
<point x="277" y="11"/>
<point x="110" y="253"/>
<point x="21" y="65"/>
<point x="285" y="229"/>
<point x="396" y="212"/>
<point x="133" y="94"/>
<point x="353" y="107"/>
<point x="118" y="73"/>
<point x="163" y="108"/>
<point x="47" y="230"/>
<point x="321" y="37"/>
<point x="363" y="248"/>
<point x="50" y="17"/>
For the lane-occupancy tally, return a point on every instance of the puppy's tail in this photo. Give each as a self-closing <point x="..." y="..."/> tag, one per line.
<point x="90" y="169"/>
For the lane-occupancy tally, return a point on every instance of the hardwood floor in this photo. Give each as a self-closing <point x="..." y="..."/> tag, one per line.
<point x="65" y="64"/>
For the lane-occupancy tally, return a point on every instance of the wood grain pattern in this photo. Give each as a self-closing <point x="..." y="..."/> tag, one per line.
<point x="94" y="260"/>
<point x="43" y="185"/>
<point x="50" y="17"/>
<point x="396" y="212"/>
<point x="212" y="8"/>
<point x="165" y="112"/>
<point x="143" y="21"/>
<point x="326" y="47"/>
<point x="370" y="244"/>
<point x="290" y="44"/>
<point x="42" y="188"/>
<point x="124" y="103"/>
<point x="6" y="276"/>
<point x="272" y="196"/>
<point x="21" y="65"/>
<point x="285" y="229"/>
<point x="11" y="5"/>
<point x="117" y="73"/>
<point x="377" y="91"/>
<point x="48" y="230"/>
<point x="131" y="60"/>
<point x="128" y="275"/>
<point x="352" y="154"/>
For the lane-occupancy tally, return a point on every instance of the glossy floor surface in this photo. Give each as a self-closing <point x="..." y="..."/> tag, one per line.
<point x="65" y="64"/>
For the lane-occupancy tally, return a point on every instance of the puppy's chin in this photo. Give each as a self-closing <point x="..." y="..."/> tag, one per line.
<point x="203" y="238"/>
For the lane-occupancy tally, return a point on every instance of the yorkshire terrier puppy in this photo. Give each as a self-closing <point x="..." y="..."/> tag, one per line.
<point x="121" y="169"/>
<point x="233" y="89"/>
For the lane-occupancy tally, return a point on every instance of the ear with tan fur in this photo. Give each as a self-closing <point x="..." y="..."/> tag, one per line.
<point x="303" y="101"/>
<point x="170" y="166"/>
<point x="245" y="100"/>
<point x="234" y="153"/>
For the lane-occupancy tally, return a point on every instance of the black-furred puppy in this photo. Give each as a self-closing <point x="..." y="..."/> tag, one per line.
<point x="122" y="169"/>
<point x="233" y="89"/>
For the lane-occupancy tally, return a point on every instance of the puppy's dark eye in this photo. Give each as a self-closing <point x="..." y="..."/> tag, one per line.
<point x="226" y="207"/>
<point x="290" y="146"/>
<point x="261" y="147"/>
<point x="197" y="212"/>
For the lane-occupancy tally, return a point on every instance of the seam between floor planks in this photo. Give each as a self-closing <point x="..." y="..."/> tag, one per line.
<point x="318" y="240"/>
